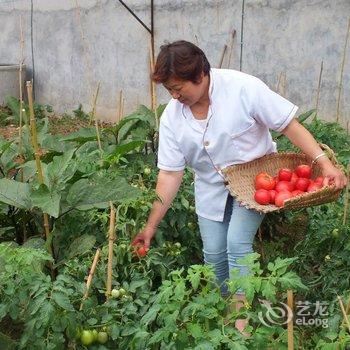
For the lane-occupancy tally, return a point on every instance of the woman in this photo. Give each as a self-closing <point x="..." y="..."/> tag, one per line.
<point x="216" y="118"/>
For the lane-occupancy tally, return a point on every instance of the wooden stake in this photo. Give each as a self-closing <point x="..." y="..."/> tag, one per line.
<point x="86" y="48"/>
<point x="283" y="82"/>
<point x="318" y="88"/>
<point x="344" y="312"/>
<point x="90" y="277"/>
<point x="119" y="113"/>
<point x="347" y="310"/>
<point x="346" y="195"/>
<point x="37" y="152"/>
<point x="222" y="56"/>
<point x="92" y="117"/>
<point x="231" y="47"/>
<point x="111" y="240"/>
<point x="21" y="87"/>
<point x="342" y="71"/>
<point x="153" y="85"/>
<point x="278" y="82"/>
<point x="290" y="323"/>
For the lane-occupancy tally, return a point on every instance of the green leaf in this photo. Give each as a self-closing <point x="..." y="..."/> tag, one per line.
<point x="62" y="300"/>
<point x="159" y="335"/>
<point x="291" y="280"/>
<point x="194" y="278"/>
<point x="29" y="171"/>
<point x="47" y="201"/>
<point x="81" y="245"/>
<point x="97" y="192"/>
<point x="302" y="117"/>
<point x="81" y="135"/>
<point x="34" y="242"/>
<point x="61" y="169"/>
<point x="15" y="193"/>
<point x="195" y="330"/>
<point x="127" y="147"/>
<point x="268" y="290"/>
<point x="151" y="315"/>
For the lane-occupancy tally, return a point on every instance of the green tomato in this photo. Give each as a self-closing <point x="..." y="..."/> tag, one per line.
<point x="146" y="171"/>
<point x="115" y="293"/>
<point x="177" y="245"/>
<point x="191" y="225"/>
<point x="86" y="337"/>
<point x="102" y="337"/>
<point x="122" y="291"/>
<point x="95" y="334"/>
<point x="335" y="233"/>
<point x="192" y="208"/>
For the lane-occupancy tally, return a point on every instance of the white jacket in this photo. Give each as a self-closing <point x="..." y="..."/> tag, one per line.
<point x="241" y="112"/>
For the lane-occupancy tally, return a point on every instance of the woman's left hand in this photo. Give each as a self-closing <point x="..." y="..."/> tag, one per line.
<point x="333" y="176"/>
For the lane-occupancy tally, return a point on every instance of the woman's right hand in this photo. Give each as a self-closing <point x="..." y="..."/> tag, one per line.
<point x="144" y="237"/>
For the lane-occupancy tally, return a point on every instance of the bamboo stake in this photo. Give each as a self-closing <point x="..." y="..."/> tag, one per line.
<point x="222" y="56"/>
<point x="278" y="81"/>
<point x="290" y="323"/>
<point x="92" y="117"/>
<point x="283" y="84"/>
<point x="347" y="310"/>
<point x="153" y="90"/>
<point x="342" y="71"/>
<point x="343" y="312"/>
<point x="153" y="85"/>
<point x="21" y="61"/>
<point x="233" y="33"/>
<point x="111" y="240"/>
<point x="37" y="152"/>
<point x="86" y="48"/>
<point x="346" y="195"/>
<point x="318" y="88"/>
<point x="90" y="277"/>
<point x="119" y="114"/>
<point x="122" y="109"/>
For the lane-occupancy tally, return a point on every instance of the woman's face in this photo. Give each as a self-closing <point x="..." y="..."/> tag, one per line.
<point x="186" y="91"/>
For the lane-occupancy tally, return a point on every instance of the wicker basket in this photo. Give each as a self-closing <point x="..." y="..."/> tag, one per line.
<point x="240" y="180"/>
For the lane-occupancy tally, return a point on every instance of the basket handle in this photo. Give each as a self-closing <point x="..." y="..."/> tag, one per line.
<point x="330" y="153"/>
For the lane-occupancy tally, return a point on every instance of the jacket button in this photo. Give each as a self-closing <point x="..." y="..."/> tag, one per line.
<point x="206" y="143"/>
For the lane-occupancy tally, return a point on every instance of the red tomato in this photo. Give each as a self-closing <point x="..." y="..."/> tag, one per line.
<point x="313" y="187"/>
<point x="302" y="184"/>
<point x="264" y="181"/>
<point x="272" y="196"/>
<point x="262" y="196"/>
<point x="304" y="171"/>
<point x="319" y="180"/>
<point x="297" y="193"/>
<point x="281" y="197"/>
<point x="142" y="252"/>
<point x="294" y="178"/>
<point x="284" y="186"/>
<point x="263" y="173"/>
<point x="285" y="174"/>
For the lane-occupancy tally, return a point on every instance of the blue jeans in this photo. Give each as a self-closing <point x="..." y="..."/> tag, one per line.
<point x="225" y="242"/>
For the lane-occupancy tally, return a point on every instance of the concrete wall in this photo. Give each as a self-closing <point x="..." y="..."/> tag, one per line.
<point x="75" y="48"/>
